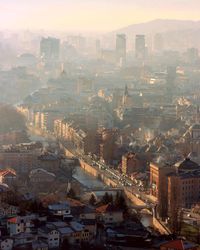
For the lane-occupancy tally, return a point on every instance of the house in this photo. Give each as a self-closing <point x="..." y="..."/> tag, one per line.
<point x="60" y="209"/>
<point x="6" y="244"/>
<point x="50" y="162"/>
<point x="91" y="226"/>
<point x="50" y="235"/>
<point x="66" y="233"/>
<point x="8" y="210"/>
<point x="20" y="224"/>
<point x="109" y="214"/>
<point x="7" y="176"/>
<point x="22" y="239"/>
<point x="87" y="213"/>
<point x="178" y="245"/>
<point x="40" y="175"/>
<point x="80" y="234"/>
<point x="3" y="188"/>
<point x="39" y="245"/>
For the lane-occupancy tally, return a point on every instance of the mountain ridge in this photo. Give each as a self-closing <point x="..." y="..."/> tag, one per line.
<point x="159" y="26"/>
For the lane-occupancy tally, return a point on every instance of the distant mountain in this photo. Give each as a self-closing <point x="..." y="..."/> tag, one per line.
<point x="177" y="34"/>
<point x="159" y="26"/>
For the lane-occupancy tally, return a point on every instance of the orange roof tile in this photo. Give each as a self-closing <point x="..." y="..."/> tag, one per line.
<point x="174" y="244"/>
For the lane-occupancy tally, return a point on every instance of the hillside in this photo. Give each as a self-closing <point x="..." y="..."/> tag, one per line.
<point x="159" y="26"/>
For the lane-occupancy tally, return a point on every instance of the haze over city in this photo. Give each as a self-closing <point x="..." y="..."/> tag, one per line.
<point x="99" y="125"/>
<point x="91" y="15"/>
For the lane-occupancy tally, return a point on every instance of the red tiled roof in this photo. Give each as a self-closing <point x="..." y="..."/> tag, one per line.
<point x="174" y="244"/>
<point x="74" y="202"/>
<point x="107" y="208"/>
<point x="5" y="172"/>
<point x="13" y="220"/>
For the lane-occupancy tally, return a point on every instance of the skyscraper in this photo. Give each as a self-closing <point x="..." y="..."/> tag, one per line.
<point x="158" y="44"/>
<point x="140" y="47"/>
<point x="121" y="47"/>
<point x="170" y="82"/>
<point x="98" y="47"/>
<point x="50" y="48"/>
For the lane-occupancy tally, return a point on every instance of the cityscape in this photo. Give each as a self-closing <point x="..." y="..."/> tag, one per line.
<point x="100" y="125"/>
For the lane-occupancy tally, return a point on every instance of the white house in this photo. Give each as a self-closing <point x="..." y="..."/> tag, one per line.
<point x="50" y="235"/>
<point x="6" y="244"/>
<point x="60" y="209"/>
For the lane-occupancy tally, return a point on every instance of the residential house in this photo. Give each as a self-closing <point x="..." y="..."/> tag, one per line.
<point x="22" y="239"/>
<point x="39" y="245"/>
<point x="6" y="244"/>
<point x="8" y="210"/>
<point x="20" y="224"/>
<point x="178" y="245"/>
<point x="40" y="176"/>
<point x="60" y="209"/>
<point x="109" y="214"/>
<point x="7" y="176"/>
<point x="91" y="226"/>
<point x="50" y="235"/>
<point x="80" y="234"/>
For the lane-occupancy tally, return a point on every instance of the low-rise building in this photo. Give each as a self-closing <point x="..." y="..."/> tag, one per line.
<point x="7" y="210"/>
<point x="39" y="245"/>
<point x="131" y="163"/>
<point x="109" y="214"/>
<point x="6" y="243"/>
<point x="40" y="176"/>
<point x="7" y="176"/>
<point x="20" y="224"/>
<point x="60" y="209"/>
<point x="178" y="245"/>
<point x="80" y="234"/>
<point x="50" y="235"/>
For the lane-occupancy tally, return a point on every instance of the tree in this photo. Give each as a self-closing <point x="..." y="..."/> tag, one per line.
<point x="107" y="198"/>
<point x="92" y="200"/>
<point x="71" y="193"/>
<point x="65" y="245"/>
<point x="120" y="201"/>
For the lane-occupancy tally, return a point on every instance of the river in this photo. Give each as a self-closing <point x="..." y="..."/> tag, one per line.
<point x="88" y="180"/>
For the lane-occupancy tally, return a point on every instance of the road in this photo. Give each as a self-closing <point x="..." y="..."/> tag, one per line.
<point x="120" y="180"/>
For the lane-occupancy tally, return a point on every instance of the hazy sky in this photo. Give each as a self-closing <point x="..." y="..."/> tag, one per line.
<point x="99" y="15"/>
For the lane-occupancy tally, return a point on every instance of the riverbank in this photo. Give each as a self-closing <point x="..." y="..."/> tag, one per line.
<point x="99" y="175"/>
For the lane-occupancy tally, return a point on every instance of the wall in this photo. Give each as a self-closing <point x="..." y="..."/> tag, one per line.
<point x="160" y="227"/>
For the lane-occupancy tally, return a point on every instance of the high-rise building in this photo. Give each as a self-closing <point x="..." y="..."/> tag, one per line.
<point x="121" y="47"/>
<point x="159" y="186"/>
<point x="175" y="186"/>
<point x="158" y="43"/>
<point x="192" y="55"/>
<point x="170" y="82"/>
<point x="50" y="48"/>
<point x="140" y="47"/>
<point x="98" y="47"/>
